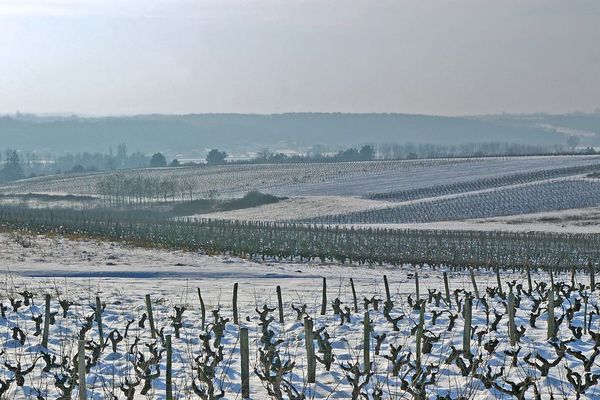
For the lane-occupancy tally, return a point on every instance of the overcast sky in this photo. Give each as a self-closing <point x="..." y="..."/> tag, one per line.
<point x="271" y="56"/>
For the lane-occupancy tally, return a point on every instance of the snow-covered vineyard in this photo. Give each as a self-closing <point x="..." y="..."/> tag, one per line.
<point x="299" y="200"/>
<point x="407" y="355"/>
<point x="512" y="200"/>
<point x="290" y="241"/>
<point x="410" y="332"/>
<point x="262" y="303"/>
<point x="380" y="192"/>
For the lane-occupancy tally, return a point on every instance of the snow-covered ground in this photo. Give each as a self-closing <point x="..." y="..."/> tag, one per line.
<point x="331" y="192"/>
<point x="580" y="220"/>
<point x="121" y="276"/>
<point x="300" y="208"/>
<point x="312" y="179"/>
<point x="430" y="175"/>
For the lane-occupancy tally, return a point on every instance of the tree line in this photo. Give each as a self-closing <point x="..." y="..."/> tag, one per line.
<point x="119" y="190"/>
<point x="17" y="165"/>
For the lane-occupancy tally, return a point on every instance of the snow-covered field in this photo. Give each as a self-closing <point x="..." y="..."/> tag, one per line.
<point x="77" y="271"/>
<point x="432" y="174"/>
<point x="552" y="195"/>
<point x="121" y="276"/>
<point x="577" y="220"/>
<point x="238" y="179"/>
<point x="301" y="207"/>
<point x="581" y="220"/>
<point x="339" y="192"/>
<point x="313" y="179"/>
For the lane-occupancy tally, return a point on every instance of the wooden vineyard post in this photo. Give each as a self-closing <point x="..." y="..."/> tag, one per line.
<point x="235" y="307"/>
<point x="388" y="296"/>
<point x="81" y="370"/>
<point x="420" y="333"/>
<point x="474" y="284"/>
<point x="46" y="322"/>
<point x="169" y="369"/>
<point x="512" y="331"/>
<point x="99" y="320"/>
<point x="467" y="315"/>
<point x="324" y="298"/>
<point x="366" y="343"/>
<point x="592" y="277"/>
<point x="573" y="272"/>
<point x="498" y="281"/>
<point x="551" y="320"/>
<point x="354" y="295"/>
<point x="417" y="286"/>
<point x="551" y="278"/>
<point x="150" y="316"/>
<point x="529" y="284"/>
<point x="202" y="309"/>
<point x="585" y="313"/>
<point x="245" y="361"/>
<point x="447" y="288"/>
<point x="311" y="361"/>
<point x="280" y="304"/>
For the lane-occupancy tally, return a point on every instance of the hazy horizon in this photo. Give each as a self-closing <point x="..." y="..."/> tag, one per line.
<point x="69" y="114"/>
<point x="137" y="57"/>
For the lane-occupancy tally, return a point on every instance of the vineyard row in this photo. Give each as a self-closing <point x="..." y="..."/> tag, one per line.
<point x="290" y="241"/>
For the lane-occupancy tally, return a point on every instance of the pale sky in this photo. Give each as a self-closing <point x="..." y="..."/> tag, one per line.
<point x="269" y="56"/>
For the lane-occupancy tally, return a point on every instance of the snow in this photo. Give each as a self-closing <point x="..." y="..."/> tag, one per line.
<point x="80" y="270"/>
<point x="300" y="207"/>
<point x="318" y="179"/>
<point x="320" y="190"/>
<point x="461" y="170"/>
<point x="579" y="220"/>
<point x="121" y="276"/>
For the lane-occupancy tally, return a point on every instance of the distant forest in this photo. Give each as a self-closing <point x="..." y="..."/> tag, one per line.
<point x="192" y="135"/>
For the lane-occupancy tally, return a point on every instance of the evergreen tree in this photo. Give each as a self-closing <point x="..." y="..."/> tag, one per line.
<point x="216" y="157"/>
<point x="367" y="153"/>
<point x="158" y="160"/>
